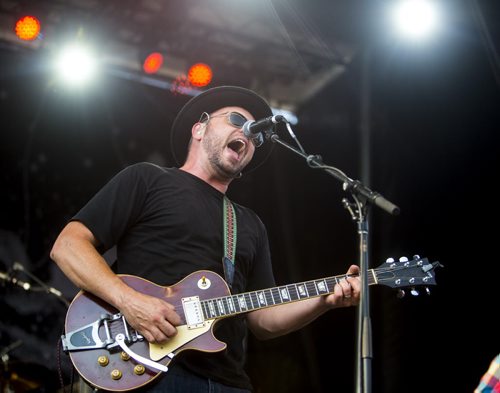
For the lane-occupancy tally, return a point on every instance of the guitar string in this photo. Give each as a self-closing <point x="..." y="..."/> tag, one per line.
<point x="329" y="280"/>
<point x="268" y="291"/>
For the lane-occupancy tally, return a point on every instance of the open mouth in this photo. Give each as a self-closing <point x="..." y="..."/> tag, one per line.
<point x="238" y="145"/>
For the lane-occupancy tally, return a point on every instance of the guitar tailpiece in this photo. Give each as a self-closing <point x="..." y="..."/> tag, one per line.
<point x="87" y="337"/>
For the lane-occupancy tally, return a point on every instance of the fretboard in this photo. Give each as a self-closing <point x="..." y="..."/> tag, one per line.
<point x="249" y="301"/>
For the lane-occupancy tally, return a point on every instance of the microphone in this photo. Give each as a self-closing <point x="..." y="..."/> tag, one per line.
<point x="252" y="128"/>
<point x="17" y="266"/>
<point x="13" y="280"/>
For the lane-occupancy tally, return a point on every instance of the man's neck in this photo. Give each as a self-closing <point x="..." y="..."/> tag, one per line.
<point x="212" y="179"/>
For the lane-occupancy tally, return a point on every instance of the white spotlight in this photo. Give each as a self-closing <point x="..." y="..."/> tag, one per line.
<point x="416" y="19"/>
<point x="76" y="65"/>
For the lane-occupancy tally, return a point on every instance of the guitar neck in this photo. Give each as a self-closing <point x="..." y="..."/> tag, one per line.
<point x="244" y="302"/>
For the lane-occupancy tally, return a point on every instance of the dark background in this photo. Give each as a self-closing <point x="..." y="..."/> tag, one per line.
<point x="434" y="124"/>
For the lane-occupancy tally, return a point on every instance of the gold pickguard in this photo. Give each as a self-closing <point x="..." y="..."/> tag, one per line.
<point x="183" y="336"/>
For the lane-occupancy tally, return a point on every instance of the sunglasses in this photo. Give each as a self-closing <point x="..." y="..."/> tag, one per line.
<point x="236" y="120"/>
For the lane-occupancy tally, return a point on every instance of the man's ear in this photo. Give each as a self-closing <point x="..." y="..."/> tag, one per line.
<point x="198" y="130"/>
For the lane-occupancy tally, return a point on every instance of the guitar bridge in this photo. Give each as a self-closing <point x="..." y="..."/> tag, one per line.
<point x="87" y="337"/>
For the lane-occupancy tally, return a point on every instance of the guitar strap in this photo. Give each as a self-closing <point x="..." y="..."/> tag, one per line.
<point x="229" y="241"/>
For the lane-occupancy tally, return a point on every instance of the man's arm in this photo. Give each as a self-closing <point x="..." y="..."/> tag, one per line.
<point x="279" y="320"/>
<point x="75" y="253"/>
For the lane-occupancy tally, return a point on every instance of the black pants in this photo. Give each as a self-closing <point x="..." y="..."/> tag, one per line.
<point x="180" y="380"/>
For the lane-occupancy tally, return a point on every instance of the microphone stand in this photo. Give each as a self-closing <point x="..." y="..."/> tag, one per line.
<point x="363" y="197"/>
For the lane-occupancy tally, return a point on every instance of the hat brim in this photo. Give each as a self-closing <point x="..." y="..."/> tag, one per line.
<point x="209" y="101"/>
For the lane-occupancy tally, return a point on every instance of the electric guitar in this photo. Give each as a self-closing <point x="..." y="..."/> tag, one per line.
<point x="112" y="356"/>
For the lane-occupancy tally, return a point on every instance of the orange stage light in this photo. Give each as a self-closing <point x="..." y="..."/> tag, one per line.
<point x="152" y="63"/>
<point x="28" y="28"/>
<point x="200" y="75"/>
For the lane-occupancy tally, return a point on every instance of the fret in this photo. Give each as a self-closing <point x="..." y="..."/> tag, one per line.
<point x="230" y="304"/>
<point x="315" y="287"/>
<point x="226" y="306"/>
<point x="242" y="302"/>
<point x="216" y="308"/>
<point x="311" y="289"/>
<point x="254" y="299"/>
<point x="302" y="290"/>
<point x="292" y="290"/>
<point x="276" y="296"/>
<point x="331" y="281"/>
<point x="206" y="314"/>
<point x="269" y="297"/>
<point x="261" y="299"/>
<point x="220" y="307"/>
<point x="285" y="294"/>
<point x="212" y="308"/>
<point x="321" y="286"/>
<point x="236" y="303"/>
<point x="249" y="302"/>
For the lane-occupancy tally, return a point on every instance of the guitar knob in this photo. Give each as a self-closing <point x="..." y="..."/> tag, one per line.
<point x="139" y="369"/>
<point x="401" y="294"/>
<point x="414" y="292"/>
<point x="116" y="374"/>
<point x="103" y="360"/>
<point x="124" y="356"/>
<point x="403" y="259"/>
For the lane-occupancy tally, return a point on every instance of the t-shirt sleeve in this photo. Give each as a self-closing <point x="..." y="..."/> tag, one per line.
<point x="115" y="207"/>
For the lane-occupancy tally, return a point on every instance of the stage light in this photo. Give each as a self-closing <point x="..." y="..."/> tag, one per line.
<point x="76" y="65"/>
<point x="152" y="63"/>
<point x="200" y="75"/>
<point x="416" y="19"/>
<point x="28" y="28"/>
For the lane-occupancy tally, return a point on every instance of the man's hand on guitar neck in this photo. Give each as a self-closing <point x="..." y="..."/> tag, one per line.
<point x="347" y="292"/>
<point x="152" y="317"/>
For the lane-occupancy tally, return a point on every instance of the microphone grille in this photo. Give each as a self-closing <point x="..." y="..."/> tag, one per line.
<point x="246" y="128"/>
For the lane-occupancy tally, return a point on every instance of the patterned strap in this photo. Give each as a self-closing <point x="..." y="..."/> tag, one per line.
<point x="229" y="240"/>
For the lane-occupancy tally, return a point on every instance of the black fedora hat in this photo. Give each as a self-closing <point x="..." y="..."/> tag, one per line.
<point x="209" y="101"/>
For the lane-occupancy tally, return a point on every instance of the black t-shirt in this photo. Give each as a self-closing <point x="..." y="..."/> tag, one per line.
<point x="167" y="223"/>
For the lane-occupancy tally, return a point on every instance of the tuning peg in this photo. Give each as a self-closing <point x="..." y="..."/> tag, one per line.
<point x="416" y="256"/>
<point x="414" y="292"/>
<point x="403" y="259"/>
<point x="401" y="294"/>
<point x="427" y="291"/>
<point x="389" y="260"/>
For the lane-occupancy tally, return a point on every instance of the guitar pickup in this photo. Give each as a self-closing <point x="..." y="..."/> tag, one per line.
<point x="87" y="337"/>
<point x="193" y="312"/>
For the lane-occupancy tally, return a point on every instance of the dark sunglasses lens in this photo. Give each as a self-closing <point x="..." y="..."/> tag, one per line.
<point x="236" y="119"/>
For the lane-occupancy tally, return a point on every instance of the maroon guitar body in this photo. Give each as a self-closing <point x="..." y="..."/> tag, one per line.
<point x="87" y="308"/>
<point x="111" y="356"/>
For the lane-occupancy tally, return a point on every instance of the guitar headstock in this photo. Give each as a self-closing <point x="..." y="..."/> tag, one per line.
<point x="407" y="273"/>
